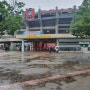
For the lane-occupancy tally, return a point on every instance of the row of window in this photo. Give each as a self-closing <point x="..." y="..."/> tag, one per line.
<point x="50" y="22"/>
<point x="53" y="31"/>
<point x="54" y="14"/>
<point x="45" y="31"/>
<point x="68" y="43"/>
<point x="34" y="24"/>
<point x="70" y="49"/>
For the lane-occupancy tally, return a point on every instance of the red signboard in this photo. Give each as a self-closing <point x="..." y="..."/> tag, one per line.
<point x="43" y="12"/>
<point x="51" y="45"/>
<point x="49" y="12"/>
<point x="30" y="13"/>
<point x="52" y="11"/>
<point x="69" y="10"/>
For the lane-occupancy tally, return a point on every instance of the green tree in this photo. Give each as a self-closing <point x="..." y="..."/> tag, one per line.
<point x="12" y="17"/>
<point x="80" y="26"/>
<point x="4" y="12"/>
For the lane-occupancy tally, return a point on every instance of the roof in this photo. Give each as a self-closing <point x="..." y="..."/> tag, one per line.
<point x="44" y="36"/>
<point x="9" y="40"/>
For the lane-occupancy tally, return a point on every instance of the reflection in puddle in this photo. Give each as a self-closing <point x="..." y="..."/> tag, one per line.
<point x="22" y="57"/>
<point x="78" y="60"/>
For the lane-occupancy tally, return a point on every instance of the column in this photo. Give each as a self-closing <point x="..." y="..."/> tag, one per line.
<point x="22" y="45"/>
<point x="11" y="46"/>
<point x="57" y="15"/>
<point x="56" y="28"/>
<point x="40" y="19"/>
<point x="57" y="42"/>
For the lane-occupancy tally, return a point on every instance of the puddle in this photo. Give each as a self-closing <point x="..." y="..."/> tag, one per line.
<point x="34" y="71"/>
<point x="41" y="66"/>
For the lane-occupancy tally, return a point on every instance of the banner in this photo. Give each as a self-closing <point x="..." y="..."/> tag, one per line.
<point x="32" y="33"/>
<point x="51" y="45"/>
<point x="45" y="13"/>
<point x="30" y="13"/>
<point x="69" y="10"/>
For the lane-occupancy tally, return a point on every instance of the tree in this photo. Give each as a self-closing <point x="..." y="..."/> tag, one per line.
<point x="4" y="12"/>
<point x="12" y="17"/>
<point x="80" y="26"/>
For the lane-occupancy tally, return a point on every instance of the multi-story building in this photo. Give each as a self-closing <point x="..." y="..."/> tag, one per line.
<point x="49" y="28"/>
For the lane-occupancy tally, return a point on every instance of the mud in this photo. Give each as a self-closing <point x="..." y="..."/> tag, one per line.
<point x="18" y="67"/>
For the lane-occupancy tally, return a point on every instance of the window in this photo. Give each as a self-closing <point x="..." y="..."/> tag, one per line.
<point x="63" y="31"/>
<point x="49" y="22"/>
<point x="65" y="20"/>
<point x="34" y="23"/>
<point x="64" y="27"/>
<point x="47" y="31"/>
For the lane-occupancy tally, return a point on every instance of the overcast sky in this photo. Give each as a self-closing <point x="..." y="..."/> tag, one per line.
<point x="49" y="4"/>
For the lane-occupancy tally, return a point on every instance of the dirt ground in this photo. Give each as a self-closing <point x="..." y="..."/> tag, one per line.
<point x="16" y="66"/>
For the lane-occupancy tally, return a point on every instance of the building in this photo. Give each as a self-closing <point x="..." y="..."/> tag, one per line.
<point x="50" y="28"/>
<point x="9" y="41"/>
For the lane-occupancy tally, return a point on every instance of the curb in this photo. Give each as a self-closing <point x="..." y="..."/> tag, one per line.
<point x="37" y="81"/>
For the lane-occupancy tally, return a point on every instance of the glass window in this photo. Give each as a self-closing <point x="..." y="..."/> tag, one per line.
<point x="65" y="20"/>
<point x="34" y="23"/>
<point x="49" y="22"/>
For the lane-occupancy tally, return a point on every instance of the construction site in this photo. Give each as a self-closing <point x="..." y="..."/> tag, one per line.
<point x="44" y="71"/>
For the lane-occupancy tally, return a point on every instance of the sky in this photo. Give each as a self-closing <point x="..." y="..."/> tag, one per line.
<point x="49" y="4"/>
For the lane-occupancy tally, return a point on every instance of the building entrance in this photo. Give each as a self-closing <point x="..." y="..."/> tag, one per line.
<point x="39" y="45"/>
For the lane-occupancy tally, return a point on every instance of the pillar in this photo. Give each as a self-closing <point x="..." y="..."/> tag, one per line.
<point x="57" y="15"/>
<point x="40" y="19"/>
<point x="11" y="46"/>
<point x="57" y="42"/>
<point x="22" y="45"/>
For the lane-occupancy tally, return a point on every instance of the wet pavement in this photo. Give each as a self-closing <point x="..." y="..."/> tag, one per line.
<point x="20" y="67"/>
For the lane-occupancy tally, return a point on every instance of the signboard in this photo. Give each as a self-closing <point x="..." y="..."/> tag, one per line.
<point x="53" y="12"/>
<point x="47" y="13"/>
<point x="69" y="10"/>
<point x="39" y="37"/>
<point x="30" y="13"/>
<point x="51" y="45"/>
<point x="32" y="32"/>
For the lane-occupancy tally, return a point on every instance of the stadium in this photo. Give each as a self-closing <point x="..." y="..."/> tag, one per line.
<point x="51" y="28"/>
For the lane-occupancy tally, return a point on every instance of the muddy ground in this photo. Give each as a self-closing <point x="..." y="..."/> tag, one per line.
<point x="20" y="67"/>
